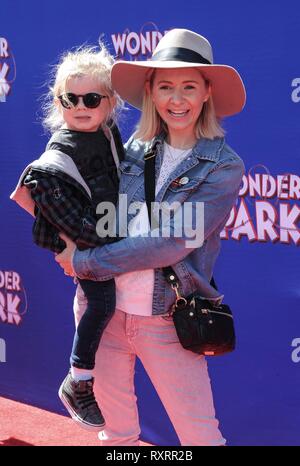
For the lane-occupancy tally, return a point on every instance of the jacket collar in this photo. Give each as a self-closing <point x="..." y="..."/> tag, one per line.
<point x="205" y="149"/>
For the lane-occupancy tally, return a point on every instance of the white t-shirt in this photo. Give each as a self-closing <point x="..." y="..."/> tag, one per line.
<point x="134" y="290"/>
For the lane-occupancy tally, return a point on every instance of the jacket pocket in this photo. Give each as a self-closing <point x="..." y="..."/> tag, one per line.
<point x="128" y="168"/>
<point x="129" y="174"/>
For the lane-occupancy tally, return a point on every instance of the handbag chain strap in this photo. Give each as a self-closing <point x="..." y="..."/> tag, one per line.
<point x="149" y="177"/>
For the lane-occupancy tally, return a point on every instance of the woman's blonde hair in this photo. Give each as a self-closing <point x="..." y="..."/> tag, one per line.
<point x="83" y="61"/>
<point x="151" y="124"/>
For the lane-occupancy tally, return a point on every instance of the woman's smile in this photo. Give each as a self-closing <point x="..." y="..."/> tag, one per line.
<point x="178" y="96"/>
<point x="178" y="114"/>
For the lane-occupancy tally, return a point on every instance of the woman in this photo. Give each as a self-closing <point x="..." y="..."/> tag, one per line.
<point x="182" y="96"/>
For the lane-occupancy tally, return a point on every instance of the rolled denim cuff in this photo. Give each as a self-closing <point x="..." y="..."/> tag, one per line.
<point x="80" y="264"/>
<point x="83" y="265"/>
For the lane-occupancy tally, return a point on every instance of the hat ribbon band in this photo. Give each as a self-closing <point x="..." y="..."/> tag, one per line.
<point x="179" y="54"/>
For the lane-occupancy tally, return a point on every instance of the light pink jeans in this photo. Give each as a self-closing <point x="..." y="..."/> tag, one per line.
<point x="179" y="376"/>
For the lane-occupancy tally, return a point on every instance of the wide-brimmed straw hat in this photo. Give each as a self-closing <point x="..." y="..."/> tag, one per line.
<point x="181" y="48"/>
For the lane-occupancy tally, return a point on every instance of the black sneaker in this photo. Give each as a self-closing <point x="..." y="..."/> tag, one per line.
<point x="79" y="399"/>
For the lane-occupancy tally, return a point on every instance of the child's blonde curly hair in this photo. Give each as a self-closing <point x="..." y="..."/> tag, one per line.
<point x="84" y="61"/>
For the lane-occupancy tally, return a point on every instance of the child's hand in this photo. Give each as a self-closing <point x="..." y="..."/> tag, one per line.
<point x="66" y="256"/>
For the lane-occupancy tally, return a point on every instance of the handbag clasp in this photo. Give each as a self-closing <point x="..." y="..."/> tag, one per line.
<point x="180" y="300"/>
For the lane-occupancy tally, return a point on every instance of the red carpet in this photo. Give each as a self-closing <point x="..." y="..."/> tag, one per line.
<point x="24" y="425"/>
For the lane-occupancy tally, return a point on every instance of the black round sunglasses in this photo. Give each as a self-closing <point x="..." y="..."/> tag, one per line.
<point x="90" y="100"/>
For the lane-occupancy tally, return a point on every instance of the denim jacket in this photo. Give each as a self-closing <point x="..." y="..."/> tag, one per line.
<point x="212" y="174"/>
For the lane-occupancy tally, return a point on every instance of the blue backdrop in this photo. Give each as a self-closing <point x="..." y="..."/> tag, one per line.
<point x="257" y="388"/>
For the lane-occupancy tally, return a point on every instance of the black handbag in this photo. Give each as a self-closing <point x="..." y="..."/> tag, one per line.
<point x="202" y="326"/>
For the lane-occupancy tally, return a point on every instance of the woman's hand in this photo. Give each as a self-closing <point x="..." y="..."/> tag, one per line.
<point x="65" y="257"/>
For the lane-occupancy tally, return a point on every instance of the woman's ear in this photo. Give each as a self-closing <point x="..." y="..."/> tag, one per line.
<point x="208" y="92"/>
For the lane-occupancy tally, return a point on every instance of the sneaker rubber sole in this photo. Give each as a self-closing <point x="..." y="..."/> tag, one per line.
<point x="85" y="425"/>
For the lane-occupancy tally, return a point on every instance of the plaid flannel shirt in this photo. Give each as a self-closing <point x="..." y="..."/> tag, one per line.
<point x="63" y="205"/>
